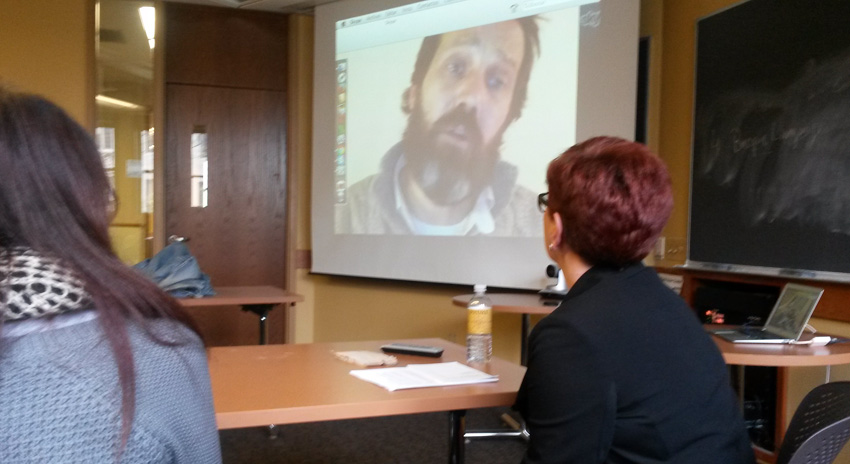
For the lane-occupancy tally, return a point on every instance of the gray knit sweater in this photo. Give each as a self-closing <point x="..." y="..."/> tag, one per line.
<point x="60" y="400"/>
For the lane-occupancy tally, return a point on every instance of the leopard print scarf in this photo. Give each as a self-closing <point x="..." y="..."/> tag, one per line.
<point x="34" y="285"/>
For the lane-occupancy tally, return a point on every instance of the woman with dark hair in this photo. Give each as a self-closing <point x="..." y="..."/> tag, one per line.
<point x="621" y="371"/>
<point x="96" y="363"/>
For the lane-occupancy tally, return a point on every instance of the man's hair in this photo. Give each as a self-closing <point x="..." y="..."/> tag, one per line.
<point x="614" y="197"/>
<point x="531" y="49"/>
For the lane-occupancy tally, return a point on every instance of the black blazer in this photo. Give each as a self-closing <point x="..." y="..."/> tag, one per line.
<point x="623" y="372"/>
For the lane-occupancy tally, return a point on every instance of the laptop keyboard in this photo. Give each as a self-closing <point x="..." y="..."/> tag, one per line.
<point x="757" y="333"/>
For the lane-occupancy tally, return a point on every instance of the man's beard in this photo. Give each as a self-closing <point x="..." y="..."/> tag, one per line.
<point x="449" y="160"/>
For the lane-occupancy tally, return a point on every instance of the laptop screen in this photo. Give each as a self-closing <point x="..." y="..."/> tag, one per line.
<point x="793" y="310"/>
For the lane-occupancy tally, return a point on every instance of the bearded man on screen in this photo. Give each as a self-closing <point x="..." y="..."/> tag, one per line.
<point x="446" y="176"/>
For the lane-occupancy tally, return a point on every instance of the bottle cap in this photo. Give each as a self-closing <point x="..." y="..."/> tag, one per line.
<point x="479" y="288"/>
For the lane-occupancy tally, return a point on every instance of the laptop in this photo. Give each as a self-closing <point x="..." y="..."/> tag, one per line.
<point x="786" y="322"/>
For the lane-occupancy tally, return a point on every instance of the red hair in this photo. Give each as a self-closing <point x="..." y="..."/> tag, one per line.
<point x="614" y="197"/>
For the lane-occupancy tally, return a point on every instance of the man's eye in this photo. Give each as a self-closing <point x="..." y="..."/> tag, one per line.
<point x="456" y="68"/>
<point x="495" y="83"/>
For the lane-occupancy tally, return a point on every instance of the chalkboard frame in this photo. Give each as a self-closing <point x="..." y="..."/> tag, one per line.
<point x="743" y="217"/>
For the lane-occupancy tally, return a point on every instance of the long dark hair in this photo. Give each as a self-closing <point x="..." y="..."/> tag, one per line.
<point x="55" y="199"/>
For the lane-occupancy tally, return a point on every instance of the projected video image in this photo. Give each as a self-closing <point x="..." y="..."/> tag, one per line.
<point x="451" y="134"/>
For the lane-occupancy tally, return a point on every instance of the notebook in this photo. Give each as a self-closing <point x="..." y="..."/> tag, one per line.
<point x="786" y="322"/>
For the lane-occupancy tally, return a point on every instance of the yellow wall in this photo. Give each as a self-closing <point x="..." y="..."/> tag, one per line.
<point x="299" y="324"/>
<point x="679" y="27"/>
<point x="47" y="47"/>
<point x="651" y="26"/>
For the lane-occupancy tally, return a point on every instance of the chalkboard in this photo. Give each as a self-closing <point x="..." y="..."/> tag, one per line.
<point x="770" y="173"/>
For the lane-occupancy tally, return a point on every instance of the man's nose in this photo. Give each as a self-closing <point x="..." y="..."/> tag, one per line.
<point x="471" y="91"/>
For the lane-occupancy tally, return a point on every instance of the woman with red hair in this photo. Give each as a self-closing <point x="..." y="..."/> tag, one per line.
<point x="621" y="371"/>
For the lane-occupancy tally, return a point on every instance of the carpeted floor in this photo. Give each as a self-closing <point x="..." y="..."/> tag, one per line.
<point x="411" y="439"/>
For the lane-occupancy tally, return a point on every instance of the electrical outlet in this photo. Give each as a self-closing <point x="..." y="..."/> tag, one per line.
<point x="675" y="248"/>
<point x="660" y="248"/>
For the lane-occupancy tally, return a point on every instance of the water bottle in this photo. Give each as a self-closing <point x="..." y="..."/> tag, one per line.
<point x="479" y="338"/>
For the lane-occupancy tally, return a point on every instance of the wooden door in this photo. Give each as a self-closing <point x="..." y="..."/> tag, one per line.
<point x="238" y="237"/>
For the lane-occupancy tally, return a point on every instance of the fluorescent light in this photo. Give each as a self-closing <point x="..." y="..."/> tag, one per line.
<point x="148" y="16"/>
<point x="109" y="101"/>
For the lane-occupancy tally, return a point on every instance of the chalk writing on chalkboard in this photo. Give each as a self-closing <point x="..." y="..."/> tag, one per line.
<point x="771" y="150"/>
<point x="787" y="153"/>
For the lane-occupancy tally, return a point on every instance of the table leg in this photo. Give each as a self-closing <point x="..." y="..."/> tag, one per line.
<point x="523" y="353"/>
<point x="261" y="310"/>
<point x="741" y="383"/>
<point x="457" y="424"/>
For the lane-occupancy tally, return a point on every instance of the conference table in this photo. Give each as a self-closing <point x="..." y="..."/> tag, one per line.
<point x="259" y="299"/>
<point x="297" y="383"/>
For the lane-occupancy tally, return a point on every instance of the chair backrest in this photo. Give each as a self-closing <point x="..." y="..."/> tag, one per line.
<point x="819" y="428"/>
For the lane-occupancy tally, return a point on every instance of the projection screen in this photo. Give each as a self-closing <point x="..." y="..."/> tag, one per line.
<point x="434" y="123"/>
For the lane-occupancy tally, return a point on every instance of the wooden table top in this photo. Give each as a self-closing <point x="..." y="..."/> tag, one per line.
<point x="782" y="355"/>
<point x="285" y="384"/>
<point x="523" y="303"/>
<point x="251" y="295"/>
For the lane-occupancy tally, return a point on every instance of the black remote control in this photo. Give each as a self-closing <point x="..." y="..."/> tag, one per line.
<point x="416" y="350"/>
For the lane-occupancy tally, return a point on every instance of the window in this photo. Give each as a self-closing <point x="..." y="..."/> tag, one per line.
<point x="146" y="138"/>
<point x="200" y="178"/>
<point x="105" y="140"/>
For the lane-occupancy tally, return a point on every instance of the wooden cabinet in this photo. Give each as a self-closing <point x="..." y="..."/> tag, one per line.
<point x="225" y="47"/>
<point x="835" y="303"/>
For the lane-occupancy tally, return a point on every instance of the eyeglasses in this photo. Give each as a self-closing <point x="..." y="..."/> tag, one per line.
<point x="543" y="201"/>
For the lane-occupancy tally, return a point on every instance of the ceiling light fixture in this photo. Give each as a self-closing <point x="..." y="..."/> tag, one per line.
<point x="148" y="17"/>
<point x="109" y="101"/>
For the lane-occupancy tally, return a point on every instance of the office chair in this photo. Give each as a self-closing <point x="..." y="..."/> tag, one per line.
<point x="819" y="428"/>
